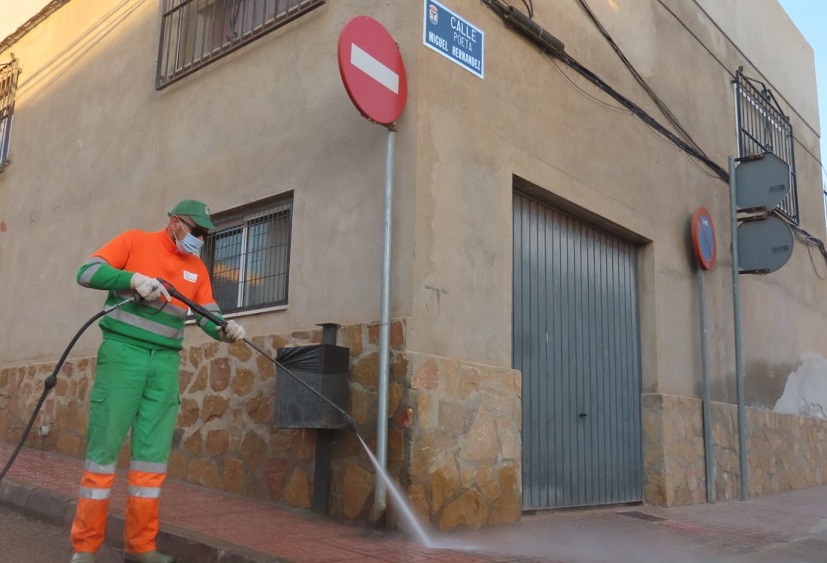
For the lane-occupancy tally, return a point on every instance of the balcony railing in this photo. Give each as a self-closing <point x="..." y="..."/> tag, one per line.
<point x="8" y="88"/>
<point x="195" y="33"/>
<point x="763" y="128"/>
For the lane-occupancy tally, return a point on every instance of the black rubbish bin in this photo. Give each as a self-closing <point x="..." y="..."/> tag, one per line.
<point x="324" y="367"/>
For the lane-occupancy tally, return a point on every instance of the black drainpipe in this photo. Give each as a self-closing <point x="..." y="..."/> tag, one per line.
<point x="325" y="438"/>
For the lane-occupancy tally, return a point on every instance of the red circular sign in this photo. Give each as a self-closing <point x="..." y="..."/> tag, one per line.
<point x="372" y="70"/>
<point x="703" y="238"/>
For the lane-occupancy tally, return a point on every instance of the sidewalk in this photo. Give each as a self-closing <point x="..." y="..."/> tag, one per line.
<point x="203" y="526"/>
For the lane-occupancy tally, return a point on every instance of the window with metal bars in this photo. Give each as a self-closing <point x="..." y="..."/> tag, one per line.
<point x="195" y="33"/>
<point x="8" y="87"/>
<point x="763" y="128"/>
<point x="248" y="257"/>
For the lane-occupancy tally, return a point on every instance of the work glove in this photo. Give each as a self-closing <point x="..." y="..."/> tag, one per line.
<point x="148" y="288"/>
<point x="233" y="332"/>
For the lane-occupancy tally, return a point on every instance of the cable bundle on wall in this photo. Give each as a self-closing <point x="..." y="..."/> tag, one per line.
<point x="533" y="32"/>
<point x="536" y="34"/>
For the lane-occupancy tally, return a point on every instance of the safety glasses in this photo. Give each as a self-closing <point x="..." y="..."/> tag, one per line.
<point x="195" y="230"/>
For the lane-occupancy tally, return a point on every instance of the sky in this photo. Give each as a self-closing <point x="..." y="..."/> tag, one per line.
<point x="810" y="17"/>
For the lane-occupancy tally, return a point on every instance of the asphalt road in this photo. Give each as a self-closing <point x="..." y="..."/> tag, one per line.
<point x="27" y="540"/>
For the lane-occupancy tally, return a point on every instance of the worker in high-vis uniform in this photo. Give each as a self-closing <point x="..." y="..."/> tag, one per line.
<point x="136" y="375"/>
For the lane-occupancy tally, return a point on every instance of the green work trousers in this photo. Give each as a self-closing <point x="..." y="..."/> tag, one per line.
<point x="134" y="388"/>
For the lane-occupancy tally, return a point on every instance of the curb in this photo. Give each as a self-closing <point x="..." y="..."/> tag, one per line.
<point x="185" y="545"/>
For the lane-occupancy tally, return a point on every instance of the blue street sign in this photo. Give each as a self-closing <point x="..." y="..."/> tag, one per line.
<point x="453" y="37"/>
<point x="703" y="238"/>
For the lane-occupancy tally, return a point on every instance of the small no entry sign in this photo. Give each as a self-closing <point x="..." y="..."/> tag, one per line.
<point x="372" y="70"/>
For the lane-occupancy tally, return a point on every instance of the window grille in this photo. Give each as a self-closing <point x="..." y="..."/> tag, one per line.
<point x="8" y="88"/>
<point x="195" y="33"/>
<point x="248" y="257"/>
<point x="763" y="128"/>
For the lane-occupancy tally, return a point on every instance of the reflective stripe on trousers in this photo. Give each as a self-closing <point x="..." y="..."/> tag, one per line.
<point x="89" y="525"/>
<point x="141" y="524"/>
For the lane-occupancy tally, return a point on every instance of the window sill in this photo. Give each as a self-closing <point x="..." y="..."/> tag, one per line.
<point x="239" y="314"/>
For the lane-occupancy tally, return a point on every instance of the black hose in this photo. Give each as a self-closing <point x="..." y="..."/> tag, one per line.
<point x="51" y="381"/>
<point x="223" y="324"/>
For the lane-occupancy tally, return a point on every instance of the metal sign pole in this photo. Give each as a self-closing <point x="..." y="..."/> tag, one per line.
<point x="374" y="76"/>
<point x="736" y="305"/>
<point x="384" y="330"/>
<point x="707" y="408"/>
<point x="705" y="245"/>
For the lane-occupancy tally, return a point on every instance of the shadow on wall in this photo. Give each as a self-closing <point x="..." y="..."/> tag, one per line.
<point x="805" y="393"/>
<point x="34" y="83"/>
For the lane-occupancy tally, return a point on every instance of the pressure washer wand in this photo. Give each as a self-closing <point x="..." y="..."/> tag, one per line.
<point x="223" y="324"/>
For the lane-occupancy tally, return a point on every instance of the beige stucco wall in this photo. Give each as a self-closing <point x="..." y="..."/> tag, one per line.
<point x="274" y="117"/>
<point x="96" y="150"/>
<point x="787" y="61"/>
<point x="527" y="119"/>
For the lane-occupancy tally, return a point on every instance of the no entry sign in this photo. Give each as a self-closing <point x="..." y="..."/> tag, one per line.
<point x="372" y="70"/>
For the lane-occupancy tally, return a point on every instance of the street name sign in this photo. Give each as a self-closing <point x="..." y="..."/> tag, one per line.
<point x="454" y="38"/>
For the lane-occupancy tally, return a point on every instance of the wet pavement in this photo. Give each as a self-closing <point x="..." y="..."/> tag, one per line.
<point x="199" y="525"/>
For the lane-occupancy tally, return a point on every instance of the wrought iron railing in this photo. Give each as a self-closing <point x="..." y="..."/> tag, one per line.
<point x="195" y="33"/>
<point x="763" y="128"/>
<point x="8" y="88"/>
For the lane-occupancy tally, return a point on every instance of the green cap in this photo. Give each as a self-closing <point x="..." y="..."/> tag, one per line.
<point x="195" y="210"/>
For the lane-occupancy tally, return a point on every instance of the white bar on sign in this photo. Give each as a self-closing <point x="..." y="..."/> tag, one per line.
<point x="373" y="68"/>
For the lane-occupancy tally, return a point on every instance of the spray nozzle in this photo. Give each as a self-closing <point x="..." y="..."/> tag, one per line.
<point x="349" y="420"/>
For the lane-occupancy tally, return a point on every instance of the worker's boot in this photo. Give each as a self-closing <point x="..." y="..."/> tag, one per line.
<point x="148" y="557"/>
<point x="83" y="557"/>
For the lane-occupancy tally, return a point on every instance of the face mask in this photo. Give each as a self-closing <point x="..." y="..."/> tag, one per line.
<point x="189" y="245"/>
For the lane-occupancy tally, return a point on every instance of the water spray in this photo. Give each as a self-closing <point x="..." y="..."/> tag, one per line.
<point x="405" y="509"/>
<point x="51" y="381"/>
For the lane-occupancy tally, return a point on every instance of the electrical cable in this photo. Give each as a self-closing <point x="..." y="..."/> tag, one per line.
<point x="813" y="263"/>
<point x="646" y="118"/>
<point x="531" y="31"/>
<point x="640" y="80"/>
<point x="581" y="90"/>
<point x="51" y="381"/>
<point x="538" y="36"/>
<point x="807" y="239"/>
<point x="655" y="134"/>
